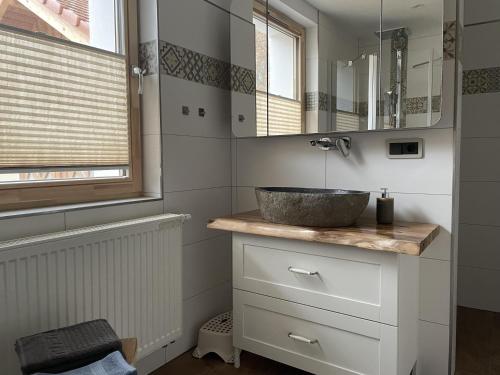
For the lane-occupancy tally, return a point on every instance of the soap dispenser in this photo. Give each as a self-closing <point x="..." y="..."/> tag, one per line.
<point x="385" y="208"/>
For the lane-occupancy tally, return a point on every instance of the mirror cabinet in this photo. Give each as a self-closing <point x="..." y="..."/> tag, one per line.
<point x="320" y="66"/>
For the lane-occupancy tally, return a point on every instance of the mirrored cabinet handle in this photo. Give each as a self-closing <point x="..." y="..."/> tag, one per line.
<point x="300" y="271"/>
<point x="302" y="338"/>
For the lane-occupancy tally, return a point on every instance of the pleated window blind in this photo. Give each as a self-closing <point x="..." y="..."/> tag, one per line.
<point x="61" y="105"/>
<point x="347" y="121"/>
<point x="284" y="115"/>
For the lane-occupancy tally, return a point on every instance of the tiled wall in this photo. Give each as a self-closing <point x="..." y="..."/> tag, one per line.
<point x="194" y="71"/>
<point x="479" y="261"/>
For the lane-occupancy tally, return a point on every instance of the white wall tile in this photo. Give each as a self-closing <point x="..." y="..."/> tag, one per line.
<point x="480" y="114"/>
<point x="285" y="161"/>
<point x="243" y="9"/>
<point x="479" y="156"/>
<point x="202" y="205"/>
<point x="224" y="4"/>
<point x="197" y="311"/>
<point x="478" y="288"/>
<point x="176" y="92"/>
<point x="30" y="226"/>
<point x="234" y="170"/>
<point x="148" y="22"/>
<point x="481" y="10"/>
<point x="244" y="199"/>
<point x="420" y="208"/>
<point x="151" y="160"/>
<point x="196" y="163"/>
<point x="478" y="247"/>
<point x="243" y="104"/>
<point x="435" y="290"/>
<point x="109" y="214"/>
<point x="242" y="52"/>
<point x="450" y="10"/>
<point x="368" y="168"/>
<point x="447" y="119"/>
<point x="478" y="50"/>
<point x="206" y="264"/>
<point x="150" y="105"/>
<point x="433" y="349"/>
<point x="196" y="25"/>
<point x="240" y="8"/>
<point x="480" y="203"/>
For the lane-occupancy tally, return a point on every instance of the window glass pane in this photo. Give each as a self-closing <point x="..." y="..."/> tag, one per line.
<point x="63" y="107"/>
<point x="94" y="23"/>
<point x="23" y="176"/>
<point x="282" y="65"/>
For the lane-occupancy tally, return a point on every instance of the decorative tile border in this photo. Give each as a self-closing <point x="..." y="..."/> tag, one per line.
<point x="148" y="57"/>
<point x="318" y="101"/>
<point x="192" y="66"/>
<point x="243" y="80"/>
<point x="183" y="63"/>
<point x="311" y="100"/>
<point x="481" y="81"/>
<point x="449" y="40"/>
<point x="418" y="105"/>
<point x="323" y="101"/>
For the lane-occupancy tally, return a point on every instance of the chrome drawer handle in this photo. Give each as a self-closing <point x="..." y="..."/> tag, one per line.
<point x="302" y="272"/>
<point x="302" y="339"/>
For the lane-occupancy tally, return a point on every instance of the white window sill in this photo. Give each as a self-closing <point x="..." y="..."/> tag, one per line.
<point x="73" y="207"/>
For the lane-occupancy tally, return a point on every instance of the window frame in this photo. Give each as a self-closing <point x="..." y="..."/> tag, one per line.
<point x="24" y="195"/>
<point x="286" y="24"/>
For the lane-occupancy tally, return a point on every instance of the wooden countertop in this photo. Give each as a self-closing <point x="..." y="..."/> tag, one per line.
<point x="404" y="238"/>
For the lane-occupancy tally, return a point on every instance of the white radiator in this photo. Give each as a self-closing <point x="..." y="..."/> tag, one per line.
<point x="126" y="272"/>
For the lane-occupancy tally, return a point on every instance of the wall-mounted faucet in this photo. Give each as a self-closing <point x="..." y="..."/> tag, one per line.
<point x="342" y="144"/>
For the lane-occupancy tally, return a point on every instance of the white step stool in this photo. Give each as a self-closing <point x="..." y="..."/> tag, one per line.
<point x="216" y="336"/>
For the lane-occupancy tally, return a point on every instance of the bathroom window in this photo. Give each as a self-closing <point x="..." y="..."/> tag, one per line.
<point x="69" y="128"/>
<point x="280" y="63"/>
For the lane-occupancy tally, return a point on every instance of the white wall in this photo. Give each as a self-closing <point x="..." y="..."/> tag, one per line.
<point x="479" y="261"/>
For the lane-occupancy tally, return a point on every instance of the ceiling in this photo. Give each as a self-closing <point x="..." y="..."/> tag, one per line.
<point x="422" y="17"/>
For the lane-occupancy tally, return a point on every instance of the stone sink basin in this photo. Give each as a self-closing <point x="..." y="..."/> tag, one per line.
<point x="311" y="207"/>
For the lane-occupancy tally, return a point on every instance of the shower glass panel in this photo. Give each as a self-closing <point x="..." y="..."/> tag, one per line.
<point x="412" y="53"/>
<point x="356" y="88"/>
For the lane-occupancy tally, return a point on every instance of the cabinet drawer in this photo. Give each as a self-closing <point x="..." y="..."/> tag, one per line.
<point x="314" y="340"/>
<point x="337" y="278"/>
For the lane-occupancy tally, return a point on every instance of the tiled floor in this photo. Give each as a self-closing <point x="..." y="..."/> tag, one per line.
<point x="478" y="342"/>
<point x="212" y="365"/>
<point x="478" y="353"/>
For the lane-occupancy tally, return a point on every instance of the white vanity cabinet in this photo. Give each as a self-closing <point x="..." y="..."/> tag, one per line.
<point x="331" y="301"/>
<point x="324" y="308"/>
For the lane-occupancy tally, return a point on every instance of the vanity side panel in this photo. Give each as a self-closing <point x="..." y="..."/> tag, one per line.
<point x="408" y="310"/>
